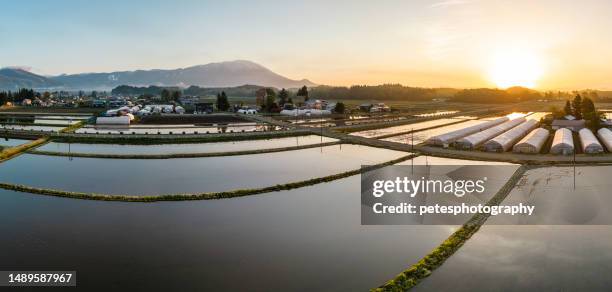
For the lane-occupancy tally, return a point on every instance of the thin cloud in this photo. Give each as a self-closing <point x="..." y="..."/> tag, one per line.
<point x="448" y="3"/>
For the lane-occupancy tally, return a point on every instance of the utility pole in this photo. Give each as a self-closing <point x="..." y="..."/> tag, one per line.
<point x="412" y="148"/>
<point x="574" y="168"/>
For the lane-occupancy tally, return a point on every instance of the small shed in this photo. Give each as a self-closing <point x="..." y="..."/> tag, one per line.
<point x="574" y="125"/>
<point x="121" y="120"/>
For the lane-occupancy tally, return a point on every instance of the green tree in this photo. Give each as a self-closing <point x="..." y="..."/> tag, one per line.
<point x="165" y="95"/>
<point x="222" y="101"/>
<point x="588" y="108"/>
<point x="175" y="95"/>
<point x="557" y="114"/>
<point x="283" y="95"/>
<point x="270" y="100"/>
<point x="303" y="92"/>
<point x="46" y="96"/>
<point x="577" y="105"/>
<point x="270" y="103"/>
<point x="568" y="108"/>
<point x="339" y="108"/>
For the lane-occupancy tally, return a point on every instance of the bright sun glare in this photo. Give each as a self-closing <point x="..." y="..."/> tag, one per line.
<point x="515" y="68"/>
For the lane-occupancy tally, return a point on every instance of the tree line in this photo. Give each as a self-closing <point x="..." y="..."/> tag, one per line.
<point x="581" y="108"/>
<point x="380" y="92"/>
<point x="18" y="96"/>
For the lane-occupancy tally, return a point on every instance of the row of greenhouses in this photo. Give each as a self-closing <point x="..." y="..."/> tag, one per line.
<point x="522" y="135"/>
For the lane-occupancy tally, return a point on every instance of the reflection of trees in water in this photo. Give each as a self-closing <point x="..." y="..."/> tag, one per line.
<point x="11" y="119"/>
<point x="264" y="127"/>
<point x="221" y="128"/>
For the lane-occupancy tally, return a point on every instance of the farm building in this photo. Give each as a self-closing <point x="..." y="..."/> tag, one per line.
<point x="533" y="142"/>
<point x="121" y="120"/>
<point x="589" y="142"/>
<point x="605" y="135"/>
<point x="504" y="141"/>
<point x="476" y="139"/>
<point x="574" y="125"/>
<point x="563" y="143"/>
<point x="450" y="137"/>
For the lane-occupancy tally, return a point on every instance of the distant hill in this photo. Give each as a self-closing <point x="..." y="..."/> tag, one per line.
<point x="14" y="79"/>
<point x="223" y="74"/>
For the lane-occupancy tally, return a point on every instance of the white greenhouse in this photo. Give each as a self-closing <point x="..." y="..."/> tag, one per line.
<point x="450" y="137"/>
<point x="605" y="135"/>
<point x="563" y="143"/>
<point x="533" y="142"/>
<point x="476" y="139"/>
<point x="504" y="141"/>
<point x="589" y="142"/>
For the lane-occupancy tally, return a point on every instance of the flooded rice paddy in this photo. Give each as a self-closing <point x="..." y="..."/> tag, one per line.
<point x="176" y="129"/>
<point x="188" y="175"/>
<point x="195" y="245"/>
<point x="404" y="128"/>
<point x="185" y="148"/>
<point x="9" y="142"/>
<point x="558" y="252"/>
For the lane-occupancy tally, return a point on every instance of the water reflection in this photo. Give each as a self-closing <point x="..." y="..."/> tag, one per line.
<point x="185" y="148"/>
<point x="308" y="239"/>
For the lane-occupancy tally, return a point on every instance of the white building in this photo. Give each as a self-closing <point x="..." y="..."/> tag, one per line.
<point x="450" y="137"/>
<point x="563" y="142"/>
<point x="589" y="142"/>
<point x="605" y="135"/>
<point x="533" y="142"/>
<point x="505" y="141"/>
<point x="475" y="140"/>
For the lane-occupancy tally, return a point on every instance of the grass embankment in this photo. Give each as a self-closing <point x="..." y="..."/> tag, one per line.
<point x="180" y="155"/>
<point x="422" y="269"/>
<point x="11" y="152"/>
<point x="73" y="127"/>
<point x="201" y="196"/>
<point x="128" y="139"/>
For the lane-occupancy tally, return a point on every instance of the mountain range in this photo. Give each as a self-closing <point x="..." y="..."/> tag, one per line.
<point x="222" y="74"/>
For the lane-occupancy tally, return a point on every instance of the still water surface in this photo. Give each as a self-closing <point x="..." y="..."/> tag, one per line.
<point x="185" y="148"/>
<point x="9" y="142"/>
<point x="540" y="257"/>
<point x="308" y="239"/>
<point x="188" y="175"/>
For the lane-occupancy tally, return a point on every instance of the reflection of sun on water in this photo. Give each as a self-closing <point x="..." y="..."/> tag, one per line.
<point x="515" y="68"/>
<point x="513" y="116"/>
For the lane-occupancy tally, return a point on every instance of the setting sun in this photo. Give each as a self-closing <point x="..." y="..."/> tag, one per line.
<point x="515" y="68"/>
